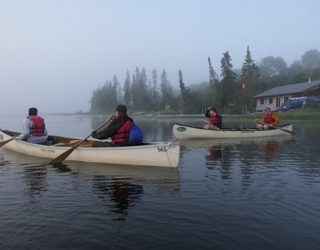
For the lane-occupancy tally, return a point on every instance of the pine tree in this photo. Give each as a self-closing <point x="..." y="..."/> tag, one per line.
<point x="213" y="86"/>
<point x="155" y="96"/>
<point x="248" y="79"/>
<point x="166" y="91"/>
<point x="127" y="91"/>
<point x="228" y="89"/>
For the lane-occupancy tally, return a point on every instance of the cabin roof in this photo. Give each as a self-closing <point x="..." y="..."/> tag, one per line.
<point x="290" y="89"/>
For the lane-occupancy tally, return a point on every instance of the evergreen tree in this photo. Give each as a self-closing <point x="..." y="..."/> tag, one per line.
<point x="213" y="78"/>
<point x="134" y="91"/>
<point x="213" y="86"/>
<point x="166" y="91"/>
<point x="117" y="88"/>
<point x="186" y="102"/>
<point x="127" y="91"/>
<point x="248" y="80"/>
<point x="228" y="89"/>
<point x="155" y="96"/>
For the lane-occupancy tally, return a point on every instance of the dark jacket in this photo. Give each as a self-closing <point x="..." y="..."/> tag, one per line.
<point x="112" y="128"/>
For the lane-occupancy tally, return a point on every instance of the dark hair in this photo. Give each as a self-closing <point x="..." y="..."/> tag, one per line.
<point x="121" y="108"/>
<point x="33" y="111"/>
<point x="213" y="109"/>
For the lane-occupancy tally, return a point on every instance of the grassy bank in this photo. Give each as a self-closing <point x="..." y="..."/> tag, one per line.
<point x="310" y="112"/>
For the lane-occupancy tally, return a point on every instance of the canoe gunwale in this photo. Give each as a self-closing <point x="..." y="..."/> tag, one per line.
<point x="160" y="154"/>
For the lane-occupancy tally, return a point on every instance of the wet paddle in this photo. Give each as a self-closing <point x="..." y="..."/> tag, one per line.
<point x="283" y="129"/>
<point x="2" y="143"/>
<point x="58" y="160"/>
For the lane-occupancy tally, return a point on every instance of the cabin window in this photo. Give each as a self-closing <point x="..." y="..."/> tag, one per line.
<point x="261" y="101"/>
<point x="270" y="100"/>
<point x="286" y="98"/>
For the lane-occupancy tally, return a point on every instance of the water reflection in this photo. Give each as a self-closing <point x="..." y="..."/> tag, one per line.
<point x="214" y="156"/>
<point x="120" y="187"/>
<point x="124" y="186"/>
<point x="122" y="193"/>
<point x="35" y="178"/>
<point x="269" y="150"/>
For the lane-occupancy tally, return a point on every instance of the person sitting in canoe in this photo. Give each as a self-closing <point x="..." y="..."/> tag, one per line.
<point x="268" y="121"/>
<point x="119" y="129"/>
<point x="215" y="119"/>
<point x="34" y="128"/>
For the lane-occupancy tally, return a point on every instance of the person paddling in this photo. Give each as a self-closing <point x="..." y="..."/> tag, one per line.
<point x="268" y="121"/>
<point x="215" y="119"/>
<point x="118" y="129"/>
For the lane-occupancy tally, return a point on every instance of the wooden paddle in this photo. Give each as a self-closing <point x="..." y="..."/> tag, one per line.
<point x="58" y="160"/>
<point x="270" y="125"/>
<point x="2" y="143"/>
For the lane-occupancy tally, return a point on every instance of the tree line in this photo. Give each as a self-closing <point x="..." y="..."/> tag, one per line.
<point x="231" y="93"/>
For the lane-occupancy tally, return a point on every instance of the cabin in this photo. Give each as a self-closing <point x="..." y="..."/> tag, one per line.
<point x="273" y="98"/>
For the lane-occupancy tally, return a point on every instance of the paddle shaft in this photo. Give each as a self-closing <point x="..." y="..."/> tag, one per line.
<point x="58" y="160"/>
<point x="270" y="125"/>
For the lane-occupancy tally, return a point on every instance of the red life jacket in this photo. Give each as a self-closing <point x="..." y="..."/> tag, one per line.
<point x="268" y="119"/>
<point x="38" y="126"/>
<point x="122" y="134"/>
<point x="214" y="119"/>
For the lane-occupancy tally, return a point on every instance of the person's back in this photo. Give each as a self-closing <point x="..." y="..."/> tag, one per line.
<point x="34" y="128"/>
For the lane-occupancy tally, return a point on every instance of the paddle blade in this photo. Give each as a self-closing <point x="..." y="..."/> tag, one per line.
<point x="62" y="157"/>
<point x="2" y="143"/>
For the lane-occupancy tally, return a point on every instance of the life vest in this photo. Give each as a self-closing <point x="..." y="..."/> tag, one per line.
<point x="38" y="126"/>
<point x="268" y="118"/>
<point x="122" y="133"/>
<point x="215" y="119"/>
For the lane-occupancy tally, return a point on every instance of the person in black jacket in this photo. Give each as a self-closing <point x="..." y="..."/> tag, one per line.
<point x="118" y="129"/>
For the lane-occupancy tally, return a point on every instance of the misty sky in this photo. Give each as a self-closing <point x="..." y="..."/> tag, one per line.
<point x="54" y="53"/>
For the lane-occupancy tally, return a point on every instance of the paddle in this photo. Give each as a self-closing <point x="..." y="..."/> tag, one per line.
<point x="2" y="143"/>
<point x="270" y="125"/>
<point x="215" y="127"/>
<point x="58" y="160"/>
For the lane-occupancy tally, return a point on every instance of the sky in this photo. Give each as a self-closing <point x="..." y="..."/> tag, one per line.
<point x="54" y="53"/>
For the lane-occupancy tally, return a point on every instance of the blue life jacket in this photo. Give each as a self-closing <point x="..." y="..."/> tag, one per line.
<point x="135" y="135"/>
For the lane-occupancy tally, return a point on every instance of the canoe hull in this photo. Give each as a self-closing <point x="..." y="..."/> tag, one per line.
<point x="187" y="132"/>
<point x="159" y="154"/>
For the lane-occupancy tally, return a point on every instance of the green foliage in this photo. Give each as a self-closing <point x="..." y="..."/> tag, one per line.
<point x="226" y="94"/>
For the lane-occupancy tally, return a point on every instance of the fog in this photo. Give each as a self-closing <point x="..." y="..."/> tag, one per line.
<point x="54" y="53"/>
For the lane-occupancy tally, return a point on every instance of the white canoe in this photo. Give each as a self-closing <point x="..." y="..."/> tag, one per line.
<point x="157" y="154"/>
<point x="188" y="132"/>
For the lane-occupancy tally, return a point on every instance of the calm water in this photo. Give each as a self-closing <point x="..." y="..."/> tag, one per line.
<point x="224" y="194"/>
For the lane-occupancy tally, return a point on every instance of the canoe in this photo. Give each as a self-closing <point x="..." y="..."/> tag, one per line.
<point x="188" y="132"/>
<point x="165" y="154"/>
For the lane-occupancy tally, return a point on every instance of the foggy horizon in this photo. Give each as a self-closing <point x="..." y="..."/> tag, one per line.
<point x="54" y="54"/>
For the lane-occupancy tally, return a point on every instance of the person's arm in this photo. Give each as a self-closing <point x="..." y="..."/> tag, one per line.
<point x="275" y="120"/>
<point x="26" y="130"/>
<point x="109" y="130"/>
